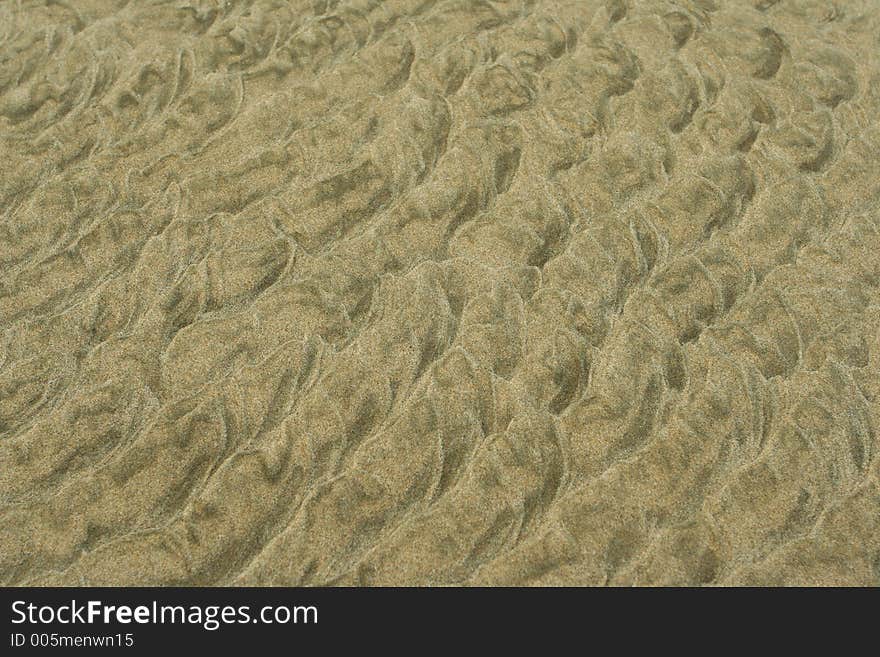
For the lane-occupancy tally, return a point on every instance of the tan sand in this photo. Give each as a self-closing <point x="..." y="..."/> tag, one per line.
<point x="440" y="292"/>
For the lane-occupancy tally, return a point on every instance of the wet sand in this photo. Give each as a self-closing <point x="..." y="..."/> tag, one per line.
<point x="440" y="292"/>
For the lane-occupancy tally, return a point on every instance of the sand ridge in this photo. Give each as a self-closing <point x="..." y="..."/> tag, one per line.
<point x="434" y="292"/>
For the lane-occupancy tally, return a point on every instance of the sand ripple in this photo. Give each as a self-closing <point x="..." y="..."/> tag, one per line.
<point x="440" y="292"/>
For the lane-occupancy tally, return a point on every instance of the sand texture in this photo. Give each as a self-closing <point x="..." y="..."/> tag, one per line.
<point x="440" y="292"/>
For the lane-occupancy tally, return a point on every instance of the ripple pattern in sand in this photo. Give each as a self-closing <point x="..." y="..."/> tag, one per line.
<point x="492" y="292"/>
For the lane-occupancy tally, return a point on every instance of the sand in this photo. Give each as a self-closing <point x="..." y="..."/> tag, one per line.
<point x="440" y="292"/>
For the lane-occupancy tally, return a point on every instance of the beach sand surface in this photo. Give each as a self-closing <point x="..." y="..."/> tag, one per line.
<point x="440" y="292"/>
